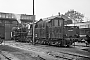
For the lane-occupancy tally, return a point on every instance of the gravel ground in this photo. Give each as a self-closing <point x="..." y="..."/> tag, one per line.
<point x="29" y="53"/>
<point x="41" y="51"/>
<point x="10" y="53"/>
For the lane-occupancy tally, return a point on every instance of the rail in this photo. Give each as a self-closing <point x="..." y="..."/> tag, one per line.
<point x="68" y="56"/>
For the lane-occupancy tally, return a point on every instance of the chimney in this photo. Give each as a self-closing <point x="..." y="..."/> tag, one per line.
<point x="59" y="13"/>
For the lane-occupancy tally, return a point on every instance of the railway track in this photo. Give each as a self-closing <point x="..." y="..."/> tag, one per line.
<point x="68" y="56"/>
<point x="7" y="56"/>
<point x="57" y="53"/>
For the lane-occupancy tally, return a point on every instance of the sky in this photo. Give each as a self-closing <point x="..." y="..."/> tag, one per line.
<point x="45" y="8"/>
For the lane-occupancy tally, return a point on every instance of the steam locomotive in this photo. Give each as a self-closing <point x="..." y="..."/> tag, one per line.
<point x="19" y="34"/>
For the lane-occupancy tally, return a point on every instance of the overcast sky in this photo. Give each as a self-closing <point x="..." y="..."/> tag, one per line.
<point x="45" y="8"/>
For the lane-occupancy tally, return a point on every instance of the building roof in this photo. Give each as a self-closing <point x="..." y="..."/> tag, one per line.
<point x="12" y="16"/>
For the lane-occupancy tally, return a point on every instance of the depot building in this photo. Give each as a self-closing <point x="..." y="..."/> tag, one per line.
<point x="9" y="20"/>
<point x="81" y="25"/>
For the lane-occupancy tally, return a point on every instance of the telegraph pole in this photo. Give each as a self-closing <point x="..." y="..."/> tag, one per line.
<point x="74" y="27"/>
<point x="33" y="22"/>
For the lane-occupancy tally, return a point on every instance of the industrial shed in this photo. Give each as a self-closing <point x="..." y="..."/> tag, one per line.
<point x="9" y="20"/>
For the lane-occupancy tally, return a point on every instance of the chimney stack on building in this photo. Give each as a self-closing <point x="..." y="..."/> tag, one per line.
<point x="59" y="13"/>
